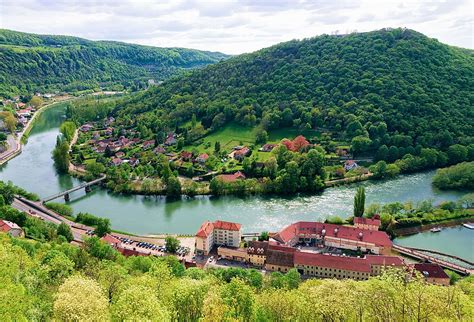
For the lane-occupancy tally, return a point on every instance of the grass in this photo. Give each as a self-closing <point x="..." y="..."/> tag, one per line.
<point x="229" y="136"/>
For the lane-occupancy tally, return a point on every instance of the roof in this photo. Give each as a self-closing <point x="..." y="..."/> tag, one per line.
<point x="242" y="151"/>
<point x="367" y="221"/>
<point x="6" y="225"/>
<point x="204" y="156"/>
<point x="379" y="238"/>
<point x="231" y="177"/>
<point x="227" y="225"/>
<point x="350" y="162"/>
<point x="205" y="230"/>
<point x="280" y="258"/>
<point x="257" y="247"/>
<point x="385" y="260"/>
<point x="108" y="238"/>
<point x="332" y="261"/>
<point x="431" y="270"/>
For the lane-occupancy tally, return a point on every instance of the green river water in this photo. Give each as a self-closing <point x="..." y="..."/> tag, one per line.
<point x="33" y="170"/>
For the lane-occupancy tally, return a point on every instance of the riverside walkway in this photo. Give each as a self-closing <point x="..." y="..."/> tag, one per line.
<point x="421" y="255"/>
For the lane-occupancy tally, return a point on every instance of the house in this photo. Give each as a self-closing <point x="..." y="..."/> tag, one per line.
<point x="267" y="147"/>
<point x="148" y="144"/>
<point x="367" y="223"/>
<point x="109" y="131"/>
<point x="11" y="228"/>
<point x="24" y="112"/>
<point x="202" y="158"/>
<point x="159" y="149"/>
<point x="241" y="153"/>
<point x="120" y="154"/>
<point x="222" y="233"/>
<point x="86" y="127"/>
<point x="257" y="252"/>
<point x="133" y="162"/>
<point x="112" y="241"/>
<point x="350" y="164"/>
<point x="433" y="273"/>
<point x="186" y="155"/>
<point x="338" y="236"/>
<point x="171" y="139"/>
<point x="116" y="161"/>
<point x="231" y="177"/>
<point x="280" y="259"/>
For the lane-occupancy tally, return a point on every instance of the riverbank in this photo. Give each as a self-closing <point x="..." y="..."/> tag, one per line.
<point x="443" y="224"/>
<point x="18" y="140"/>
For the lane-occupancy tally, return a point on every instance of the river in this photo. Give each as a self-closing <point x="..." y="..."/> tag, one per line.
<point x="33" y="170"/>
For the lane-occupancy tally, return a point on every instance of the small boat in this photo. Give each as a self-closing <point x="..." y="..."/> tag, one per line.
<point x="435" y="230"/>
<point x="470" y="226"/>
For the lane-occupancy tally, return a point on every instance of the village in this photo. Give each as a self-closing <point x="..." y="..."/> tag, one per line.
<point x="111" y="145"/>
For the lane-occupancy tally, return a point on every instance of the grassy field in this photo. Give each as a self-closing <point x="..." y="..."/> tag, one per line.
<point x="229" y="136"/>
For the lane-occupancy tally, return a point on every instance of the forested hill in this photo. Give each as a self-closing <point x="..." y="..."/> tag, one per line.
<point x="391" y="84"/>
<point x="30" y="62"/>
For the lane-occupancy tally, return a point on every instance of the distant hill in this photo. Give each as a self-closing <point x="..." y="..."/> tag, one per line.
<point x="392" y="86"/>
<point x="30" y="62"/>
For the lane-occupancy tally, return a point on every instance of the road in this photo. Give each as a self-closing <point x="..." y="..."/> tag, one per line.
<point x="79" y="231"/>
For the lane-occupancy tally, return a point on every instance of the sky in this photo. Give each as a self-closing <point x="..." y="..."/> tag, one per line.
<point x="237" y="26"/>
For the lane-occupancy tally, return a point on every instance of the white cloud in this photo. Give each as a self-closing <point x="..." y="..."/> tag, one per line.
<point x="233" y="26"/>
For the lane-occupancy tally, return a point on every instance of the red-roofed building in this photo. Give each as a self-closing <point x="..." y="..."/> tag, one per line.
<point x="332" y="266"/>
<point x="367" y="223"/>
<point x="242" y="153"/>
<point x="186" y="155"/>
<point x="231" y="177"/>
<point x="11" y="228"/>
<point x="345" y="237"/>
<point x="148" y="144"/>
<point x="112" y="241"/>
<point x="217" y="233"/>
<point x="433" y="273"/>
<point x="350" y="164"/>
<point x="202" y="158"/>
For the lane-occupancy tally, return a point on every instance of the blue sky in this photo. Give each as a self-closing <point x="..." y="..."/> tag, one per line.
<point x="235" y="27"/>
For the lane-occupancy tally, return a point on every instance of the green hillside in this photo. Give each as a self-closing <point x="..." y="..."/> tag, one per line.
<point x="30" y="62"/>
<point x="388" y="87"/>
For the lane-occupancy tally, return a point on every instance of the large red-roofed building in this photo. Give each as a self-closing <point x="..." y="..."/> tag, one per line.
<point x="345" y="237"/>
<point x="222" y="233"/>
<point x="367" y="223"/>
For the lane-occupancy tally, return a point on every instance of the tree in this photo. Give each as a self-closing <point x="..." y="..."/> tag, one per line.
<point x="392" y="154"/>
<point x="263" y="236"/>
<point x="239" y="298"/>
<point x="95" y="168"/>
<point x="9" y="120"/>
<point x="361" y="144"/>
<point x="382" y="153"/>
<point x="217" y="147"/>
<point x="36" y="101"/>
<point x="65" y="230"/>
<point x="61" y="156"/>
<point x="139" y="303"/>
<point x="457" y="153"/>
<point x="261" y="136"/>
<point x="103" y="227"/>
<point x="171" y="244"/>
<point x="173" y="187"/>
<point x="79" y="299"/>
<point x="359" y="202"/>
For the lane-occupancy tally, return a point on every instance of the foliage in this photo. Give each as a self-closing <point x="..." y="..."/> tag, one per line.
<point x="460" y="176"/>
<point x="60" y="208"/>
<point x="65" y="230"/>
<point x="171" y="244"/>
<point x="42" y="281"/>
<point x="67" y="129"/>
<point x="80" y="298"/>
<point x="61" y="155"/>
<point x="32" y="63"/>
<point x="391" y="87"/>
<point x="359" y="202"/>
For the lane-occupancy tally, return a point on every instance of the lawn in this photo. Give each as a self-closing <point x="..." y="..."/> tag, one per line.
<point x="229" y="136"/>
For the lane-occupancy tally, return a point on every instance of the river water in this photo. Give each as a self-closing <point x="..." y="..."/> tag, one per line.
<point x="33" y="170"/>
